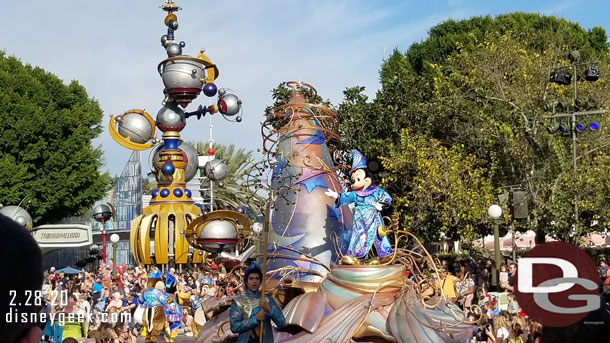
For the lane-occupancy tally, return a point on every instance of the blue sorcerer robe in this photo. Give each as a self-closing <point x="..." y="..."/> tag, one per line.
<point x="242" y="316"/>
<point x="366" y="222"/>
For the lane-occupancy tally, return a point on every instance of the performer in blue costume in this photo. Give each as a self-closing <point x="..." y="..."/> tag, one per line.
<point x="161" y="309"/>
<point x="246" y="313"/>
<point x="369" y="200"/>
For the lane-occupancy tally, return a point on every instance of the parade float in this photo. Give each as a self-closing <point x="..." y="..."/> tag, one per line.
<point x="336" y="266"/>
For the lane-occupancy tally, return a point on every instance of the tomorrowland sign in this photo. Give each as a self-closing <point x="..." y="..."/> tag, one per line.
<point x="62" y="235"/>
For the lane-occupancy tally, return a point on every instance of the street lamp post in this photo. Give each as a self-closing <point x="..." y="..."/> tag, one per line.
<point x="102" y="213"/>
<point x="495" y="212"/>
<point x="114" y="238"/>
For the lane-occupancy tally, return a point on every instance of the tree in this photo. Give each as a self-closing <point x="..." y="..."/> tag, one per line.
<point x="437" y="188"/>
<point x="45" y="148"/>
<point x="231" y="190"/>
<point x="482" y="83"/>
<point x="148" y="185"/>
<point x="282" y="93"/>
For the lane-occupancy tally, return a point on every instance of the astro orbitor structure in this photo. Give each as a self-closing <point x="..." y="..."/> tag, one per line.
<point x="174" y="161"/>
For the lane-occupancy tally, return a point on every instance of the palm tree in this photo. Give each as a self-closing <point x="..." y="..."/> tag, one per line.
<point x="231" y="191"/>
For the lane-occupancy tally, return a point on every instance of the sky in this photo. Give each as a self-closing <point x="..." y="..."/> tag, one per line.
<point x="112" y="48"/>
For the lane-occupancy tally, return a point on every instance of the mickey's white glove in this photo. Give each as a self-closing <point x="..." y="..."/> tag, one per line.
<point x="332" y="193"/>
<point x="378" y="206"/>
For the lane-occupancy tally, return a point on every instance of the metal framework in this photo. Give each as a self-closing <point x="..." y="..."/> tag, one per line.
<point x="127" y="193"/>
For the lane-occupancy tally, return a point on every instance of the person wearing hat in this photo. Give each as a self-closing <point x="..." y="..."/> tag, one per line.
<point x="369" y="200"/>
<point x="249" y="309"/>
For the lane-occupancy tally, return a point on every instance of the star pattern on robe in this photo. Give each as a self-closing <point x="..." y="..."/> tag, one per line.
<point x="311" y="180"/>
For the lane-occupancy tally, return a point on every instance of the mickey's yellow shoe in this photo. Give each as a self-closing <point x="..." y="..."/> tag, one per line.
<point x="349" y="259"/>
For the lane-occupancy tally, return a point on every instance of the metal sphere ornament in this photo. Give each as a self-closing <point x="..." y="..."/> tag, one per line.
<point x="134" y="126"/>
<point x="229" y="104"/>
<point x="18" y="214"/>
<point x="241" y="209"/>
<point x="173" y="50"/>
<point x="168" y="169"/>
<point x="189" y="155"/>
<point x="171" y="118"/>
<point x="210" y="89"/>
<point x="188" y="192"/>
<point x="211" y="151"/>
<point x="216" y="235"/>
<point x="101" y="213"/>
<point x="155" y="193"/>
<point x="183" y="78"/>
<point x="164" y="40"/>
<point x="215" y="170"/>
<point x="178" y="193"/>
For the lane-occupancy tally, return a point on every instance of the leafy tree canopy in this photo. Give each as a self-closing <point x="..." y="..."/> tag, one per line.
<point x="45" y="146"/>
<point x="482" y="85"/>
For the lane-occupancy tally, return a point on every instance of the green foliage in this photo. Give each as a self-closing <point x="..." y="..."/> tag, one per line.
<point x="437" y="188"/>
<point x="148" y="185"/>
<point x="231" y="191"/>
<point x="282" y="93"/>
<point x="45" y="148"/>
<point x="451" y="36"/>
<point x="480" y="86"/>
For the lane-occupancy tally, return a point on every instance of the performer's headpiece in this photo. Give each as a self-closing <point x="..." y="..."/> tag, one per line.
<point x="155" y="274"/>
<point x="253" y="268"/>
<point x="358" y="161"/>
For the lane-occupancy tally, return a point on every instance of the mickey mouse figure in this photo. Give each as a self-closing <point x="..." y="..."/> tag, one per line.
<point x="369" y="200"/>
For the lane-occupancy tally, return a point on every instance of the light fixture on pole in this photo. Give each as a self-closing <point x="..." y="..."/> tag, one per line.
<point x="102" y="213"/>
<point x="114" y="238"/>
<point x="495" y="212"/>
<point x="566" y="75"/>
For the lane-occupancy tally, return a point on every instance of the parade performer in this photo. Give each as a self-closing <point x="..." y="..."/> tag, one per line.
<point x="154" y="300"/>
<point x="246" y="313"/>
<point x="368" y="225"/>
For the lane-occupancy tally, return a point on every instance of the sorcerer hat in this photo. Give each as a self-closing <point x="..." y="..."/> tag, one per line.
<point x="358" y="161"/>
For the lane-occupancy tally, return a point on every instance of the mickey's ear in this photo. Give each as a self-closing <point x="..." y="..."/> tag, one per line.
<point x="374" y="165"/>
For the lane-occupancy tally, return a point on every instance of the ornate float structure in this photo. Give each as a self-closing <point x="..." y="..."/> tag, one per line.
<point x="322" y="300"/>
<point x="159" y="235"/>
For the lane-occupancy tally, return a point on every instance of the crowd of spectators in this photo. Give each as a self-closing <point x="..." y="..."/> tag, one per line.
<point x="467" y="284"/>
<point x="98" y="295"/>
<point x="109" y="303"/>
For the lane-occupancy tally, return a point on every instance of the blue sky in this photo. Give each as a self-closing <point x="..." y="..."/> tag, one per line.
<point x="112" y="48"/>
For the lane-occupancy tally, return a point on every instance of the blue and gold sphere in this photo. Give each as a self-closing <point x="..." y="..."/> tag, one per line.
<point x="155" y="193"/>
<point x="164" y="193"/>
<point x="178" y="193"/>
<point x="188" y="192"/>
<point x="168" y="169"/>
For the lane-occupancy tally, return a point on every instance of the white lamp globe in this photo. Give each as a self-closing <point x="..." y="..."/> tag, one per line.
<point x="114" y="238"/>
<point x="257" y="227"/>
<point x="494" y="211"/>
